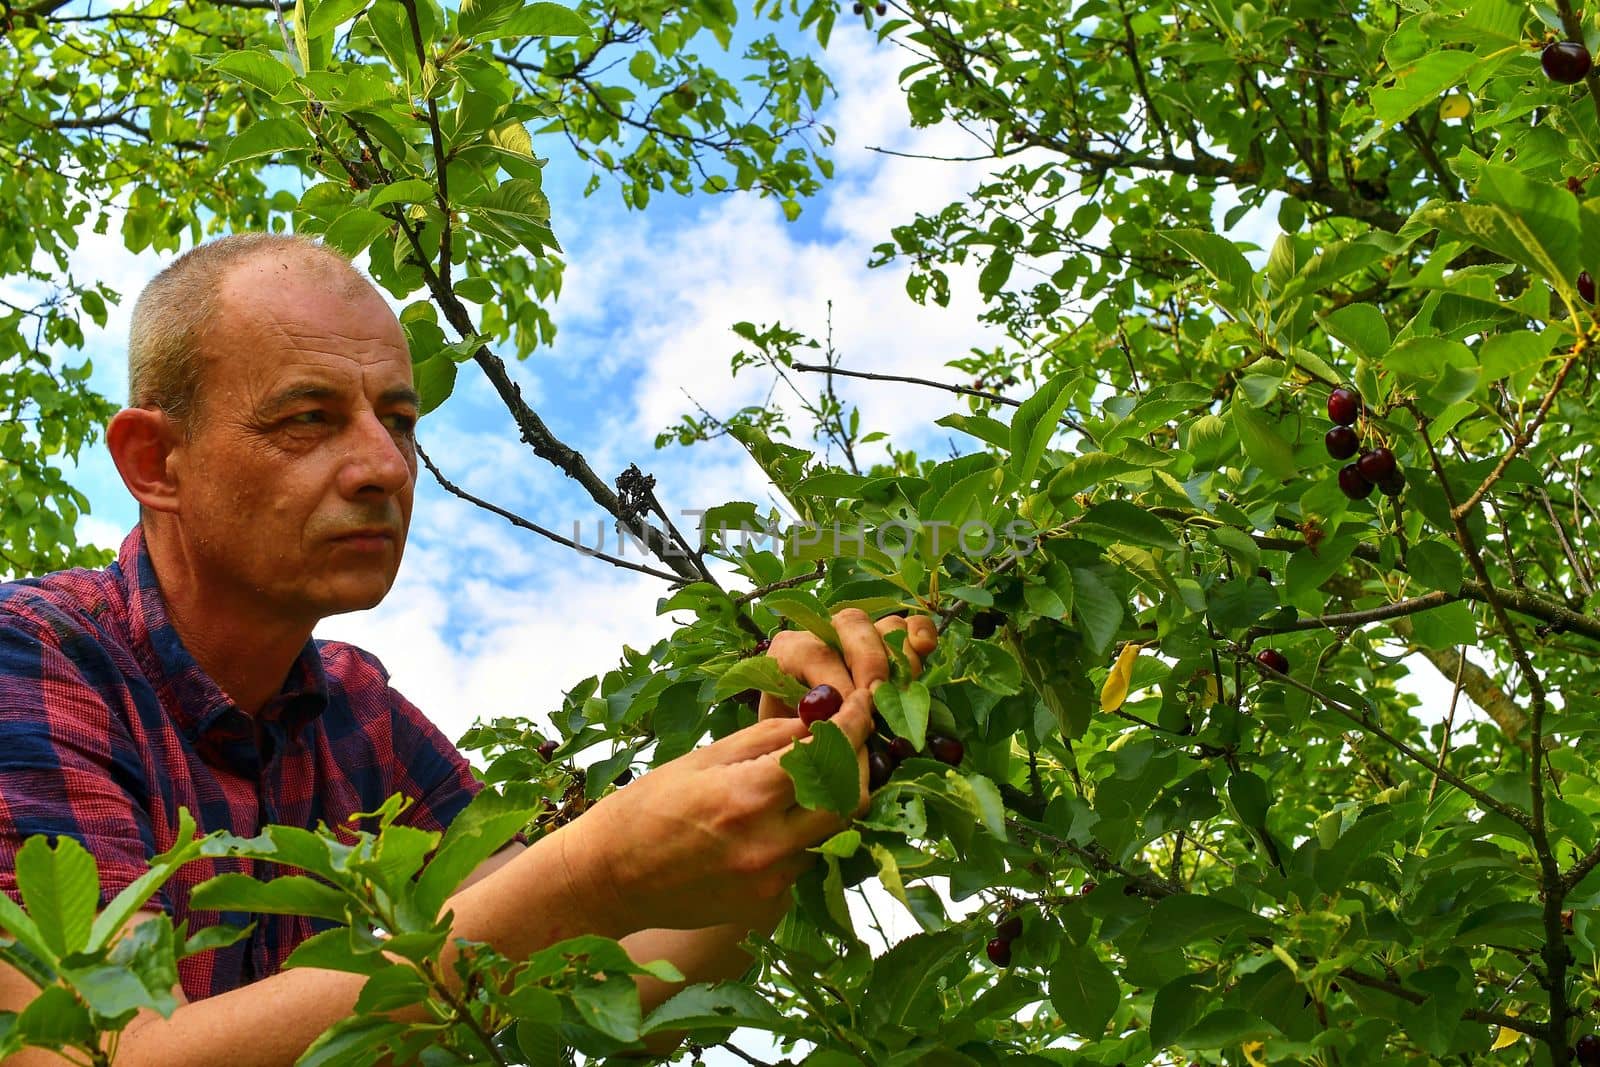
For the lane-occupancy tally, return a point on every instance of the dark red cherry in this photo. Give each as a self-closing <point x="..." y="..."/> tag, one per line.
<point x="946" y="749"/>
<point x="823" y="702"/>
<point x="879" y="768"/>
<point x="1342" y="442"/>
<point x="1588" y="1050"/>
<point x="1376" y="465"/>
<point x="1565" y="61"/>
<point x="1586" y="286"/>
<point x="1344" y="405"/>
<point x="901" y="750"/>
<point x="547" y="749"/>
<point x="999" y="950"/>
<point x="1393" y="485"/>
<point x="1009" y="928"/>
<point x="1355" y="486"/>
<point x="1273" y="660"/>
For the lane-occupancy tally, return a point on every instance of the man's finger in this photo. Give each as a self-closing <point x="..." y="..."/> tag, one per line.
<point x="855" y="718"/>
<point x="804" y="656"/>
<point x="754" y="741"/>
<point x="924" y="633"/>
<point x="862" y="647"/>
<point x="888" y="625"/>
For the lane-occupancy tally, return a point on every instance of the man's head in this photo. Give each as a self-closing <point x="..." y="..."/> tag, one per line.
<point x="269" y="434"/>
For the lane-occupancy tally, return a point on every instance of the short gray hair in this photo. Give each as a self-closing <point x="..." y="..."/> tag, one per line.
<point x="177" y="309"/>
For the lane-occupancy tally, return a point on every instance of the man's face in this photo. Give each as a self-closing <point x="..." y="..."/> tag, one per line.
<point x="295" y="486"/>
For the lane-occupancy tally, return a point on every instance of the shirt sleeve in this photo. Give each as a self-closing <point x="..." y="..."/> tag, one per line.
<point x="68" y="765"/>
<point x="428" y="768"/>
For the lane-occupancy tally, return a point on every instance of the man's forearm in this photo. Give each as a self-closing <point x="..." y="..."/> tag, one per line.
<point x="708" y="955"/>
<point x="529" y="903"/>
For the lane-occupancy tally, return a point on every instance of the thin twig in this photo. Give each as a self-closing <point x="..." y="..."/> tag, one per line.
<point x="517" y="520"/>
<point x="1066" y="420"/>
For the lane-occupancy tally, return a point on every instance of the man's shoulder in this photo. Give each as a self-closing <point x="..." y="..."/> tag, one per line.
<point x="352" y="667"/>
<point x="61" y="605"/>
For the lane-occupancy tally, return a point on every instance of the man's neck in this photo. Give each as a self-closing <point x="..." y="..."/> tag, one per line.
<point x="246" y="653"/>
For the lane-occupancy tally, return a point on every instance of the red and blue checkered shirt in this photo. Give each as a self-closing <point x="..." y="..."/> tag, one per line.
<point x="108" y="726"/>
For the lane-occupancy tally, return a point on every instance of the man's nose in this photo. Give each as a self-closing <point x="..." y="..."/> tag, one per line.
<point x="378" y="460"/>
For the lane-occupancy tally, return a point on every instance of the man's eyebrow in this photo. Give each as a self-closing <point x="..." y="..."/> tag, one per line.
<point x="400" y="394"/>
<point x="296" y="394"/>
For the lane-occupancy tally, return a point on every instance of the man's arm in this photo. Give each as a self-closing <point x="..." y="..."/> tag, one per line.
<point x="711" y="836"/>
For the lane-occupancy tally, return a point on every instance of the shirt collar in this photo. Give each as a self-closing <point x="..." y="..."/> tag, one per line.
<point x="197" y="705"/>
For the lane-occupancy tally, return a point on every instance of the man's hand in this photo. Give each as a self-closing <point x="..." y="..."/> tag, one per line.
<point x="716" y="837"/>
<point x="861" y="662"/>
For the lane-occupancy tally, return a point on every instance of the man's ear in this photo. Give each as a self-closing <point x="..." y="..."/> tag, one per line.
<point x="142" y="441"/>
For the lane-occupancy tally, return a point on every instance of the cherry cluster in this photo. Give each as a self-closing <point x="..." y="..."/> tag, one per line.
<point x="860" y="8"/>
<point x="1006" y="931"/>
<point x="824" y="702"/>
<point x="1376" y="468"/>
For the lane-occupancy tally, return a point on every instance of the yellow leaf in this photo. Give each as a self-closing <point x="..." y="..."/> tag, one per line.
<point x="1455" y="106"/>
<point x="1115" y="691"/>
<point x="1504" y="1038"/>
<point x="1253" y="1052"/>
<point x="1213" y="692"/>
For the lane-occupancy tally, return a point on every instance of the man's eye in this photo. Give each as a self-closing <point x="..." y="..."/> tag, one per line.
<point x="308" y="418"/>
<point x="403" y="423"/>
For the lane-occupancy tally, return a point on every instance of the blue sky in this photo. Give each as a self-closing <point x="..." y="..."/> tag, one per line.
<point x="489" y="620"/>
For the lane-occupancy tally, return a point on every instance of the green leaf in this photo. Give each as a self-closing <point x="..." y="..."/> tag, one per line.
<point x="485" y="826"/>
<point x="907" y="980"/>
<point x="806" y="611"/>
<point x="1185" y="919"/>
<point x="1505" y="354"/>
<point x="825" y="771"/>
<point x="1420" y="82"/>
<point x="1261" y="442"/>
<point x="352" y="1041"/>
<point x="1445" y="627"/>
<point x="1250" y="796"/>
<point x="542" y="20"/>
<point x="293" y="895"/>
<point x="357" y="228"/>
<point x="980" y="796"/>
<point x="1083" y="991"/>
<point x="763" y="673"/>
<point x="1087" y="472"/>
<point x="336" y="950"/>
<point x="1361" y="328"/>
<point x="257" y="69"/>
<point x="55" y="1018"/>
<point x="61" y="889"/>
<point x="405" y="191"/>
<point x="1035" y="423"/>
<point x="435" y="379"/>
<point x="1436" y="565"/>
<point x="265" y="138"/>
<point x="326" y="15"/>
<point x="905" y="710"/>
<point x="1130" y="523"/>
<point x="395" y="986"/>
<point x="995" y="273"/>
<point x="1098" y="607"/>
<point x="1219" y="257"/>
<point x="726" y="1004"/>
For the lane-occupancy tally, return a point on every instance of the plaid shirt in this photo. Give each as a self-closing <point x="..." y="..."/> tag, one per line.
<point x="109" y="726"/>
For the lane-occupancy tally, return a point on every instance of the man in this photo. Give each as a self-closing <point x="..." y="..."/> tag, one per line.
<point x="269" y="444"/>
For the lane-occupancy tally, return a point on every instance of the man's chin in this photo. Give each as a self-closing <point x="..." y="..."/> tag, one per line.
<point x="356" y="600"/>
